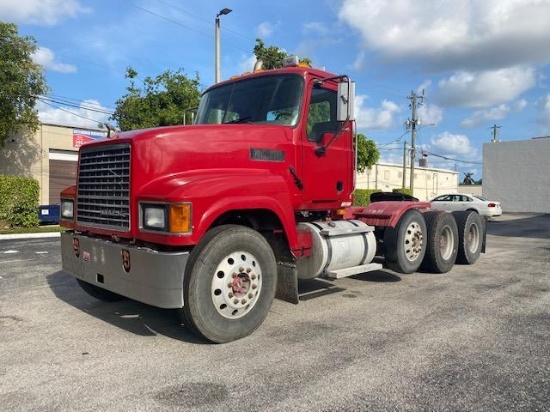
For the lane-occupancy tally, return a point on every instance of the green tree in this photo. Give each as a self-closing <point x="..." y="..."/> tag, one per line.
<point x="367" y="153"/>
<point x="272" y="56"/>
<point x="160" y="101"/>
<point x="21" y="82"/>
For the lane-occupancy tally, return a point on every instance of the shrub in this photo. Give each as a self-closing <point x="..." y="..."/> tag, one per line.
<point x="18" y="201"/>
<point x="362" y="196"/>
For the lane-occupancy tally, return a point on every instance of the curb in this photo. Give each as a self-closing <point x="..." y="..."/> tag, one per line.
<point x="30" y="236"/>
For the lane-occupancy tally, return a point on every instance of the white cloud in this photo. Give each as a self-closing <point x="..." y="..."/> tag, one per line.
<point x="544" y="107"/>
<point x="375" y="118"/>
<point x="430" y="114"/>
<point x="494" y="113"/>
<point x="82" y="116"/>
<point x="483" y="89"/>
<point x="41" y="12"/>
<point x="45" y="57"/>
<point x="448" y="144"/>
<point x="247" y="63"/>
<point x="316" y="28"/>
<point x="265" y="29"/>
<point x="359" y="62"/>
<point x="444" y="34"/>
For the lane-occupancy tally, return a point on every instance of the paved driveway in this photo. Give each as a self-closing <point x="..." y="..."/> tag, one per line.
<point x="475" y="339"/>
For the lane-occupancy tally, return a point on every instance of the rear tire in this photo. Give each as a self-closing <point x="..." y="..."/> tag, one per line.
<point x="229" y="284"/>
<point x="470" y="236"/>
<point x="405" y="243"/>
<point x="99" y="293"/>
<point x="442" y="243"/>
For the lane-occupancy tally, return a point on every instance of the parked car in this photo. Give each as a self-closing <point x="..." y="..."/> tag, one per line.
<point x="461" y="201"/>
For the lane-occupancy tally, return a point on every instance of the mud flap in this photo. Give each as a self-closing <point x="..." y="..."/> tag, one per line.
<point x="287" y="282"/>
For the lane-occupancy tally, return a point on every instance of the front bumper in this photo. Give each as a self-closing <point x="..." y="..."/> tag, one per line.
<point x="142" y="274"/>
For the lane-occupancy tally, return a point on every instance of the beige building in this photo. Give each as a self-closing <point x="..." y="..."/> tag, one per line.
<point x="428" y="182"/>
<point x="50" y="156"/>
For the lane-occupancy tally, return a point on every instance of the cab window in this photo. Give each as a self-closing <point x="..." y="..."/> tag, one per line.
<point x="321" y="114"/>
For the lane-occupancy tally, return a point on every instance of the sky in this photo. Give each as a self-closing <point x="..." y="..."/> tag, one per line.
<point x="480" y="65"/>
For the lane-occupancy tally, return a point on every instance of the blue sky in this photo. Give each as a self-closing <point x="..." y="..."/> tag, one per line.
<point x="479" y="62"/>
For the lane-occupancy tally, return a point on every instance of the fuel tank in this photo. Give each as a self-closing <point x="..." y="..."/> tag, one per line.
<point x="337" y="245"/>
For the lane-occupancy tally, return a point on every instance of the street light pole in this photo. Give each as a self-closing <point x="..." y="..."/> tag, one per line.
<point x="222" y="12"/>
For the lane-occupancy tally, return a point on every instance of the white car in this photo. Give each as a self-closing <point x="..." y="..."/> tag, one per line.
<point x="460" y="201"/>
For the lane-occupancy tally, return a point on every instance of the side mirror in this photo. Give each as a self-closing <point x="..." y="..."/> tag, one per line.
<point x="345" y="108"/>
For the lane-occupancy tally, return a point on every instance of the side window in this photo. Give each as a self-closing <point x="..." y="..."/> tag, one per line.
<point x="322" y="114"/>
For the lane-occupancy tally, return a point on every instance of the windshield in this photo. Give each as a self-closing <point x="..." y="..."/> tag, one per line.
<point x="268" y="99"/>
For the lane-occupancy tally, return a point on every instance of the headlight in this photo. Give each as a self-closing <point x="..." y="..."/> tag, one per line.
<point x="170" y="218"/>
<point x="67" y="209"/>
<point x="154" y="217"/>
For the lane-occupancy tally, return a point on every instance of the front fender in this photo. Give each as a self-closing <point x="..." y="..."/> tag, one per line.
<point x="214" y="193"/>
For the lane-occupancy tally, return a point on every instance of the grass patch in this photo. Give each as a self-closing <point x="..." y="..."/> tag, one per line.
<point x="36" y="229"/>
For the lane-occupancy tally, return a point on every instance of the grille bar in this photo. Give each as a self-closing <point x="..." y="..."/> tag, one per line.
<point x="104" y="187"/>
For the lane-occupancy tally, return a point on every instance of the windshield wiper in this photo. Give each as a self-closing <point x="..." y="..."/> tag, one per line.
<point x="241" y="120"/>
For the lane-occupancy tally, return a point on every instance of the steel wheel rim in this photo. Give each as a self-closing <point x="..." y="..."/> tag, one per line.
<point x="473" y="238"/>
<point x="413" y="241"/>
<point x="446" y="243"/>
<point x="236" y="284"/>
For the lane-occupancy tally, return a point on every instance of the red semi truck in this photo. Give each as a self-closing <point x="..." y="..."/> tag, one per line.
<point x="217" y="218"/>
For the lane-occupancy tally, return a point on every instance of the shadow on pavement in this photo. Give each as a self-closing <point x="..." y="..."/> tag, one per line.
<point x="134" y="317"/>
<point x="314" y="288"/>
<point x="537" y="226"/>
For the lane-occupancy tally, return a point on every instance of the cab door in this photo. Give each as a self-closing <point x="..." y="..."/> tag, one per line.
<point x="328" y="159"/>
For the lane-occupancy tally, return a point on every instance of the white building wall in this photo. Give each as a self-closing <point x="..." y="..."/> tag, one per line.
<point x="517" y="174"/>
<point x="428" y="182"/>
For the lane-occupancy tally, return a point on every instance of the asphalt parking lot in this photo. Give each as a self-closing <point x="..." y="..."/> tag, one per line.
<point x="474" y="339"/>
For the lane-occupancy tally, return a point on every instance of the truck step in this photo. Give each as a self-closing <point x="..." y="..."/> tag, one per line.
<point x="354" y="270"/>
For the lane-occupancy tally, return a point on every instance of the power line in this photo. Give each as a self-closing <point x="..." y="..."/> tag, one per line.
<point x="187" y="27"/>
<point x="203" y="19"/>
<point x="73" y="100"/>
<point x="451" y="159"/>
<point x="68" y="111"/>
<point x="393" y="141"/>
<point x="78" y="106"/>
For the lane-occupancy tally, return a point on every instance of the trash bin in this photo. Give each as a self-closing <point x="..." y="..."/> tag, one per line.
<point x="48" y="214"/>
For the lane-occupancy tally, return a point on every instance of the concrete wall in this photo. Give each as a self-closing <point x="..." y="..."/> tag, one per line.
<point x="476" y="190"/>
<point x="517" y="174"/>
<point x="428" y="182"/>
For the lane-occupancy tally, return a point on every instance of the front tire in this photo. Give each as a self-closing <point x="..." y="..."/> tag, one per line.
<point x="229" y="284"/>
<point x="442" y="244"/>
<point x="404" y="244"/>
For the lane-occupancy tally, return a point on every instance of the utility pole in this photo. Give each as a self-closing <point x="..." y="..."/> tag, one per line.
<point x="495" y="127"/>
<point x="412" y="124"/>
<point x="404" y="163"/>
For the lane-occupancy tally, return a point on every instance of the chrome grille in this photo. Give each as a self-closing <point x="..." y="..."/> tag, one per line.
<point x="104" y="187"/>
